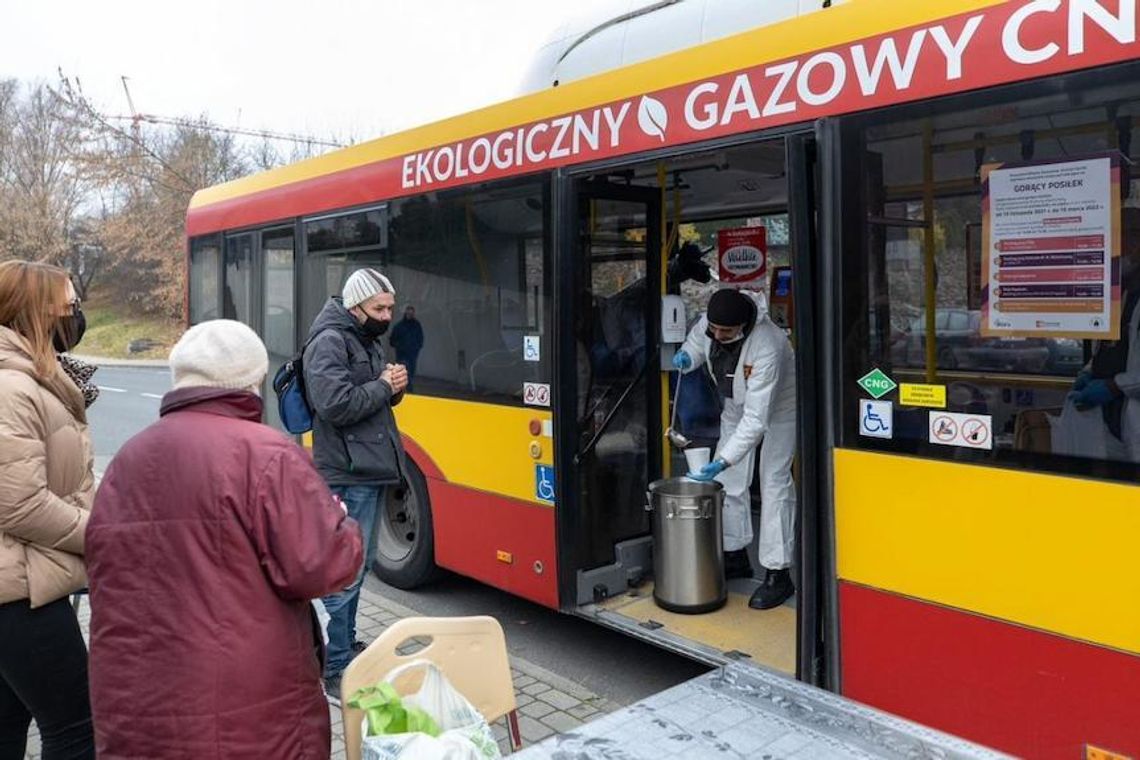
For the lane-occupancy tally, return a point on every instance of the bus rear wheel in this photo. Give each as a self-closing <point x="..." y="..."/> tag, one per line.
<point x="405" y="546"/>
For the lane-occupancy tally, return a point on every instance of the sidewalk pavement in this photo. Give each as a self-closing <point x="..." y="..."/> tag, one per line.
<point x="548" y="703"/>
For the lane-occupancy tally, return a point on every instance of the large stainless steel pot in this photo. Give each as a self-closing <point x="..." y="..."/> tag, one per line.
<point x="688" y="546"/>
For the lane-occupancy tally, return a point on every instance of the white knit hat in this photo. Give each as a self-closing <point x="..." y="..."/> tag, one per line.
<point x="220" y="353"/>
<point x="362" y="285"/>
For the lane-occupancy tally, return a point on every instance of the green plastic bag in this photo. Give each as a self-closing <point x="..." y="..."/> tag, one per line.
<point x="386" y="713"/>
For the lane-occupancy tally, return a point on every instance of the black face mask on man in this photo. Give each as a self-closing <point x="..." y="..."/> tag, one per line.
<point x="374" y="328"/>
<point x="69" y="330"/>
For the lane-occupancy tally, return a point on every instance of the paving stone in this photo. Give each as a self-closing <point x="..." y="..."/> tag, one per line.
<point x="561" y="722"/>
<point x="560" y="699"/>
<point x="535" y="689"/>
<point x="536" y="709"/>
<point x="521" y="681"/>
<point x="583" y="712"/>
<point x="523" y="699"/>
<point x="532" y="731"/>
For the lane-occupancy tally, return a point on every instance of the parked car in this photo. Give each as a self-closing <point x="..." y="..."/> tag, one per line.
<point x="953" y="328"/>
<point x="1066" y="357"/>
<point x="961" y="346"/>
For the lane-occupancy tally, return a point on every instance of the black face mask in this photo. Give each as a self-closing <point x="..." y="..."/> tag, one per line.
<point x="374" y="328"/>
<point x="69" y="330"/>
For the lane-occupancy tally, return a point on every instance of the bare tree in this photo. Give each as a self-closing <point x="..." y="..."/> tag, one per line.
<point x="145" y="176"/>
<point x="42" y="185"/>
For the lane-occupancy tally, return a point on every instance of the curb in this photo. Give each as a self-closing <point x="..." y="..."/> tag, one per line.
<point x="107" y="361"/>
<point x="527" y="668"/>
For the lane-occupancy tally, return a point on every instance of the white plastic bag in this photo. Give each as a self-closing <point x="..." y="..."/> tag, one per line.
<point x="1079" y="433"/>
<point x="323" y="619"/>
<point x="466" y="735"/>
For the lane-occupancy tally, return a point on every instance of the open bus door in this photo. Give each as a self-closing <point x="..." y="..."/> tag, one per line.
<point x="609" y="415"/>
<point x="614" y="395"/>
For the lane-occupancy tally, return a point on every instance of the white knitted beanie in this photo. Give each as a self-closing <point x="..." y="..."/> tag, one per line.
<point x="220" y="353"/>
<point x="362" y="285"/>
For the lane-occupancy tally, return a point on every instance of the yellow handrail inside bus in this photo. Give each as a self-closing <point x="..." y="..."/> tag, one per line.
<point x="666" y="452"/>
<point x="469" y="216"/>
<point x="928" y="252"/>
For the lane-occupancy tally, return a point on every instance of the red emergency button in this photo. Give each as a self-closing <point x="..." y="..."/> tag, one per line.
<point x="535" y="427"/>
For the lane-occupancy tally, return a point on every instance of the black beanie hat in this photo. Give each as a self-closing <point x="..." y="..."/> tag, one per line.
<point x="728" y="308"/>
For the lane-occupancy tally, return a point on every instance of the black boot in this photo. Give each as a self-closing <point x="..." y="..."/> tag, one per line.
<point x="776" y="589"/>
<point x="736" y="565"/>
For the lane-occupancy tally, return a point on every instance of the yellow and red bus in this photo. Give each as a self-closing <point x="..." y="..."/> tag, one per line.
<point x="964" y="559"/>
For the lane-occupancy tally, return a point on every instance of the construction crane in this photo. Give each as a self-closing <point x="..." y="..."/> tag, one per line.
<point x="137" y="119"/>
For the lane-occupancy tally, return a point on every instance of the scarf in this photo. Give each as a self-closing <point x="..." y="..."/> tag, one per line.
<point x="80" y="373"/>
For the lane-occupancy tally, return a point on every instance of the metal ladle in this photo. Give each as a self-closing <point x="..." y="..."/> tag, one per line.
<point x="675" y="436"/>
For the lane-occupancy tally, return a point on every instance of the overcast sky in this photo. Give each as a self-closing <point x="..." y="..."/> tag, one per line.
<point x="349" y="67"/>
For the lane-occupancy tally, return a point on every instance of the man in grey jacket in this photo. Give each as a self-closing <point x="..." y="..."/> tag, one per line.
<point x="351" y="389"/>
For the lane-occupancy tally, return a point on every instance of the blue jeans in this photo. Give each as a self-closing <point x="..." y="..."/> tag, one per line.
<point x="363" y="504"/>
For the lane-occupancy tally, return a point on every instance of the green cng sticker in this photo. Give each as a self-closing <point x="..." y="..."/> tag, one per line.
<point x="877" y="383"/>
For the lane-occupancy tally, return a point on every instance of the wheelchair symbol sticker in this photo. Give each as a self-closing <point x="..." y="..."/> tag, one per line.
<point x="532" y="348"/>
<point x="544" y="482"/>
<point x="876" y="419"/>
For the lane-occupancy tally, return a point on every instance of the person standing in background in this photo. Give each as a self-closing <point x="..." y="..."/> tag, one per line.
<point x="408" y="340"/>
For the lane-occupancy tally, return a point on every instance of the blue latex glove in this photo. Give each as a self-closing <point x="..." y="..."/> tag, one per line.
<point x="709" y="471"/>
<point x="682" y="360"/>
<point x="1095" y="393"/>
<point x="1083" y="379"/>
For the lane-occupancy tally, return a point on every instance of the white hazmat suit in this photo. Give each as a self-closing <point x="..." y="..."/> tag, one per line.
<point x="762" y="408"/>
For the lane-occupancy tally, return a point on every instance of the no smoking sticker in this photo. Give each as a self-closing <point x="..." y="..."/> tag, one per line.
<point x="536" y="394"/>
<point x="971" y="431"/>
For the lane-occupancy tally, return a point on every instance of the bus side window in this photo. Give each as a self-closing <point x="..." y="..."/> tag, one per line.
<point x="914" y="261"/>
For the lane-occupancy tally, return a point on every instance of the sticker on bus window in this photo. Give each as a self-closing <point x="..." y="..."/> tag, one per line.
<point x="876" y="419"/>
<point x="532" y="348"/>
<point x="971" y="431"/>
<point x="876" y="383"/>
<point x="918" y="394"/>
<point x="536" y="394"/>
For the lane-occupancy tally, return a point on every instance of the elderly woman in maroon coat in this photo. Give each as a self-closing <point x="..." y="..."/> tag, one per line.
<point x="210" y="534"/>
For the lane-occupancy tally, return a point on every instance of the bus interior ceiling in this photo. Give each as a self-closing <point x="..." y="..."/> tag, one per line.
<point x="703" y="193"/>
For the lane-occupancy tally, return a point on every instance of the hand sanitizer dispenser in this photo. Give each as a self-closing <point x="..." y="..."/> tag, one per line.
<point x="672" y="319"/>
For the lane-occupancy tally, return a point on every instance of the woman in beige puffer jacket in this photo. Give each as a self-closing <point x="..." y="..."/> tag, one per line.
<point x="46" y="488"/>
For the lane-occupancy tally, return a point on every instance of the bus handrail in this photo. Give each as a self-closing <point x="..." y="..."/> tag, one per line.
<point x="610" y="417"/>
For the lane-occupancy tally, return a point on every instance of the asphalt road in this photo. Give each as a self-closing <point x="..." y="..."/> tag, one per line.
<point x="129" y="398"/>
<point x="607" y="663"/>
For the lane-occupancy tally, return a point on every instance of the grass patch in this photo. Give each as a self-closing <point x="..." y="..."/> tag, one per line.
<point x="111" y="328"/>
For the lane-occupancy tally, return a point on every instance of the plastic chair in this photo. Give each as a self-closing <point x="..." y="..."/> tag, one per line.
<point x="471" y="652"/>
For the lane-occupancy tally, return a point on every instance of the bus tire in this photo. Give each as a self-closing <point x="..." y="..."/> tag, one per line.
<point x="405" y="543"/>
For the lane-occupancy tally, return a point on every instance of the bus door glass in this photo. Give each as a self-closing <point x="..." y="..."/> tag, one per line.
<point x="618" y="426"/>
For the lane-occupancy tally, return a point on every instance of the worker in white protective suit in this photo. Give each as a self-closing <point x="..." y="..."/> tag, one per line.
<point x="1111" y="381"/>
<point x="751" y="361"/>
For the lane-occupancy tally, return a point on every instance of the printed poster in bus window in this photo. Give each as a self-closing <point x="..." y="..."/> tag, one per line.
<point x="1051" y="249"/>
<point x="742" y="253"/>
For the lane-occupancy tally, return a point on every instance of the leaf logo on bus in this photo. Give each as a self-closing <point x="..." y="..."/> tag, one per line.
<point x="652" y="117"/>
